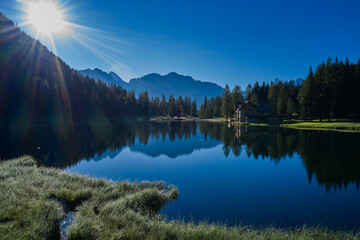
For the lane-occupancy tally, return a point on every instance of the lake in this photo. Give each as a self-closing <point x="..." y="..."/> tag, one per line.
<point x="257" y="176"/>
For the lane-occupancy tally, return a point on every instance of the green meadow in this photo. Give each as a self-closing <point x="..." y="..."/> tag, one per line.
<point x="316" y="125"/>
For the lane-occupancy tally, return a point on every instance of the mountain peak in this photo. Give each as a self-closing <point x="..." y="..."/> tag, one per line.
<point x="116" y="77"/>
<point x="156" y="85"/>
<point x="108" y="78"/>
<point x="173" y="74"/>
<point x="99" y="70"/>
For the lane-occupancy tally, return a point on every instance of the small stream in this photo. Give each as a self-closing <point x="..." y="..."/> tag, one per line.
<point x="65" y="224"/>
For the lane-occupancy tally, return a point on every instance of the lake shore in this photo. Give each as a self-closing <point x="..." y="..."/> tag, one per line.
<point x="108" y="210"/>
<point x="333" y="126"/>
<point x="342" y="126"/>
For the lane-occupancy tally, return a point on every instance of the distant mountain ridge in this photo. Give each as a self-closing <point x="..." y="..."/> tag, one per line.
<point x="107" y="78"/>
<point x="156" y="85"/>
<point x="296" y="82"/>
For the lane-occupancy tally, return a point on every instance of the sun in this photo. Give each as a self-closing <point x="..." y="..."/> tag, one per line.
<point x="45" y="16"/>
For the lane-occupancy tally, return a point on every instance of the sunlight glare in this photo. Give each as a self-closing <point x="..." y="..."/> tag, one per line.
<point x="45" y="17"/>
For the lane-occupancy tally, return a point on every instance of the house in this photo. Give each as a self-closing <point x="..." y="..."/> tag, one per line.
<point x="248" y="112"/>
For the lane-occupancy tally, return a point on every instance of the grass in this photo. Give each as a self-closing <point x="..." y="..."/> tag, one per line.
<point x="237" y="123"/>
<point x="109" y="210"/>
<point x="333" y="124"/>
<point x="316" y="125"/>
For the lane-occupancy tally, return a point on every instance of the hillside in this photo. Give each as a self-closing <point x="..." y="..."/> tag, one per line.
<point x="156" y="85"/>
<point x="37" y="85"/>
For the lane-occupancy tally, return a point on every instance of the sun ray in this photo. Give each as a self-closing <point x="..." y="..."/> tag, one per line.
<point x="45" y="16"/>
<point x="52" y="42"/>
<point x="107" y="49"/>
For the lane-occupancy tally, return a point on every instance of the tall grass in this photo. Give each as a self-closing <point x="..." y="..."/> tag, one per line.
<point x="108" y="210"/>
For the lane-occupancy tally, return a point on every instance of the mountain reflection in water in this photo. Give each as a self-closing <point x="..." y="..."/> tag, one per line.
<point x="252" y="175"/>
<point x="332" y="158"/>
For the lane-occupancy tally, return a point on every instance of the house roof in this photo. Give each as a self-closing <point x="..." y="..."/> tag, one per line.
<point x="238" y="104"/>
<point x="259" y="107"/>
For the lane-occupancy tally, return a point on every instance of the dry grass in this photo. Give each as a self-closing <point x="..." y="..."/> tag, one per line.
<point x="109" y="210"/>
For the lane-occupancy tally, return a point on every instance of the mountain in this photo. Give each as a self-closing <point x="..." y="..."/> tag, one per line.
<point x="108" y="78"/>
<point x="157" y="147"/>
<point x="296" y="82"/>
<point x="156" y="85"/>
<point x="35" y="84"/>
<point x="175" y="84"/>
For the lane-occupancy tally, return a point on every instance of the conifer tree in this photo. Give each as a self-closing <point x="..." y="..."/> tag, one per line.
<point x="172" y="106"/>
<point x="273" y="96"/>
<point x="236" y="97"/>
<point x="306" y="96"/>
<point x="248" y="92"/>
<point x="193" y="108"/>
<point x="226" y="102"/>
<point x="164" y="105"/>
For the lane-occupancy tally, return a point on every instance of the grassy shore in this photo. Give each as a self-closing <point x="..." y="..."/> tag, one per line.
<point x="338" y="126"/>
<point x="32" y="205"/>
<point x="333" y="125"/>
<point x="238" y="123"/>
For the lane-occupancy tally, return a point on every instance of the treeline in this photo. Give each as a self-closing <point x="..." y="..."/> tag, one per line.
<point x="37" y="85"/>
<point x="332" y="92"/>
<point x="282" y="97"/>
<point x="222" y="106"/>
<point x="173" y="107"/>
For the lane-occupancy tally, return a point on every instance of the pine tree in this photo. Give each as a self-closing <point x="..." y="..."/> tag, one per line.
<point x="193" y="108"/>
<point x="164" y="105"/>
<point x="180" y="107"/>
<point x="187" y="106"/>
<point x="172" y="106"/>
<point x="306" y="96"/>
<point x="248" y="92"/>
<point x="290" y="107"/>
<point x="273" y="96"/>
<point x="155" y="106"/>
<point x="320" y="95"/>
<point x="282" y="100"/>
<point x="202" y="111"/>
<point x="217" y="106"/>
<point x="226" y="102"/>
<point x="255" y="94"/>
<point x="236" y="97"/>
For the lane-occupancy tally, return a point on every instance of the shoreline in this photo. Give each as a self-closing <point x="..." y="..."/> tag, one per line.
<point x="353" y="127"/>
<point x="341" y="126"/>
<point x="106" y="209"/>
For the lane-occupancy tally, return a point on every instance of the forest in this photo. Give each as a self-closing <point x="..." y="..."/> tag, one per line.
<point x="35" y="84"/>
<point x="331" y="92"/>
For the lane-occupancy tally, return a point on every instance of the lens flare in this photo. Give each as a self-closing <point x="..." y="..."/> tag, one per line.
<point x="46" y="17"/>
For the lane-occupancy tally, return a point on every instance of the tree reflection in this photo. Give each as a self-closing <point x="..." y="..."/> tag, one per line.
<point x="332" y="158"/>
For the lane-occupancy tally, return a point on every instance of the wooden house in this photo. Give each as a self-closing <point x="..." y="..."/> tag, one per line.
<point x="248" y="112"/>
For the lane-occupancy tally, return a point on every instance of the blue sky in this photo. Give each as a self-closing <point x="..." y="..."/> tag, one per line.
<point x="226" y="42"/>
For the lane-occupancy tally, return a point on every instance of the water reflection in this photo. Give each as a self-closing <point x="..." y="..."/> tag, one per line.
<point x="331" y="158"/>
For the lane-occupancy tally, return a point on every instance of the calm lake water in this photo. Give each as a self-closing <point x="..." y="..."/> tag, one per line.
<point x="235" y="175"/>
